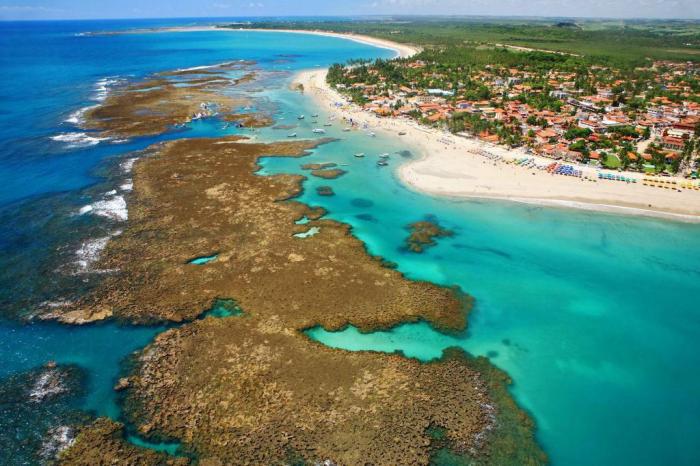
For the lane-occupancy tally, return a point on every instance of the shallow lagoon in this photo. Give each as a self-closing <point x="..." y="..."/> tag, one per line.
<point x="593" y="315"/>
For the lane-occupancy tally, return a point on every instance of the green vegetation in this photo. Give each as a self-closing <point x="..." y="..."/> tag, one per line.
<point x="612" y="161"/>
<point x="620" y="42"/>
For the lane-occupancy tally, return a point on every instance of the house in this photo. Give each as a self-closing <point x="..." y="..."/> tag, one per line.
<point x="672" y="143"/>
<point x="544" y="135"/>
<point x="488" y="137"/>
<point x="592" y="125"/>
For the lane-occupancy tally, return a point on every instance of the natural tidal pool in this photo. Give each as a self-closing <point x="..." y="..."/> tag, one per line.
<point x="203" y="259"/>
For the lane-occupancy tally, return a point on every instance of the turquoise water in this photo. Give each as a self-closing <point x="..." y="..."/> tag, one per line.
<point x="203" y="260"/>
<point x="99" y="349"/>
<point x="594" y="316"/>
<point x="164" y="447"/>
<point x="224" y="308"/>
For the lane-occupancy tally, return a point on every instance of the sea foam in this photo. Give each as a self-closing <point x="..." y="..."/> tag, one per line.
<point x="78" y="139"/>
<point x="113" y="206"/>
<point x="78" y="117"/>
<point x="128" y="164"/>
<point x="57" y="440"/>
<point x="89" y="251"/>
<point x="103" y="87"/>
<point x="48" y="384"/>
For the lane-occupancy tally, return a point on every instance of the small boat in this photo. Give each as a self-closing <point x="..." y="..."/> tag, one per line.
<point x="385" y="155"/>
<point x="360" y="154"/>
<point x="292" y="135"/>
<point x="300" y="117"/>
<point x="372" y="134"/>
<point x="346" y="130"/>
<point x="402" y="133"/>
<point x="328" y="124"/>
<point x="382" y="163"/>
<point x="319" y="131"/>
<point x="315" y="115"/>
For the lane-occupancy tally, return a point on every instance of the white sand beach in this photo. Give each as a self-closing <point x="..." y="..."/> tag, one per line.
<point x="402" y="50"/>
<point x="457" y="166"/>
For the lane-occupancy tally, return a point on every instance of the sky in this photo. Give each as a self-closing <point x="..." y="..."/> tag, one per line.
<point x="99" y="9"/>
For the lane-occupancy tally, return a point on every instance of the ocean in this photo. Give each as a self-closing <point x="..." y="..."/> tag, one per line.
<point x="594" y="316"/>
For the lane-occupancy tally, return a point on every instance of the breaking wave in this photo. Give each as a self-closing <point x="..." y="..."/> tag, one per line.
<point x="78" y="139"/>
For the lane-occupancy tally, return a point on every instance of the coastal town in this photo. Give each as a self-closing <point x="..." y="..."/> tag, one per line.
<point x="644" y="119"/>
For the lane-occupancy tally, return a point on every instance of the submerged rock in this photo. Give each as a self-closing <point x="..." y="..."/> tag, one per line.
<point x="122" y="384"/>
<point x="318" y="166"/>
<point x="325" y="191"/>
<point x="328" y="174"/>
<point x="422" y="235"/>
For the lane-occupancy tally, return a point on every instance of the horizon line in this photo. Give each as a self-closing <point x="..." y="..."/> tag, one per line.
<point x="352" y="17"/>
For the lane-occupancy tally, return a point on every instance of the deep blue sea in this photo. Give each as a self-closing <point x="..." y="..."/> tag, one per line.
<point x="594" y="316"/>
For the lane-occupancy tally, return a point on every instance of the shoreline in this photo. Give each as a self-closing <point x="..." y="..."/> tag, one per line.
<point x="402" y="50"/>
<point x="466" y="168"/>
<point x="476" y="175"/>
